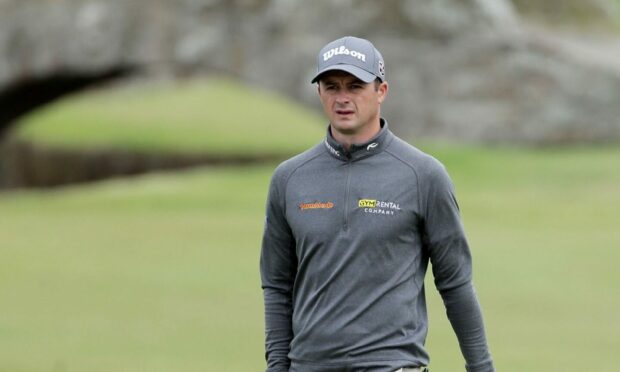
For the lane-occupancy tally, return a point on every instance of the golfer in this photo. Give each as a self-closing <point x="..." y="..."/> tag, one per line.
<point x="351" y="225"/>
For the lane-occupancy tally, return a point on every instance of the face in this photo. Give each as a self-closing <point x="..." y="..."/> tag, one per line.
<point x="351" y="105"/>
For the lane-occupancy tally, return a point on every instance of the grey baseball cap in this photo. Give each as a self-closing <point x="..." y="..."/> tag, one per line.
<point x="353" y="55"/>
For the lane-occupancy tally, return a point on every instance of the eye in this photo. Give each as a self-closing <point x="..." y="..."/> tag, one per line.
<point x="356" y="86"/>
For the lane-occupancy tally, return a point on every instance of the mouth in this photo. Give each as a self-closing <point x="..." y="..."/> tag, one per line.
<point x="344" y="112"/>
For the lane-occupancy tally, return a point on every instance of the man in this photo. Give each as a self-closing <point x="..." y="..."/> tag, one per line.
<point x="351" y="226"/>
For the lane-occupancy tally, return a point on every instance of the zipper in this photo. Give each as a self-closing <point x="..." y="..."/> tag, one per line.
<point x="345" y="225"/>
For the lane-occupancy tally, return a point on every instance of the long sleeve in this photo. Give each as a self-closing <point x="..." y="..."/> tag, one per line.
<point x="465" y="316"/>
<point x="452" y="268"/>
<point x="278" y="267"/>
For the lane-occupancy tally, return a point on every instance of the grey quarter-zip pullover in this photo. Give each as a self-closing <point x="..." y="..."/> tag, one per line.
<point x="347" y="240"/>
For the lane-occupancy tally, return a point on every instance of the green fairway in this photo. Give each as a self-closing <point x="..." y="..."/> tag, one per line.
<point x="211" y="116"/>
<point x="160" y="272"/>
<point x="543" y="226"/>
<point x="151" y="274"/>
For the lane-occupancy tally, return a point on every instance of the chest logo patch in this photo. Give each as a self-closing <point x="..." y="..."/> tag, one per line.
<point x="378" y="206"/>
<point x="316" y="205"/>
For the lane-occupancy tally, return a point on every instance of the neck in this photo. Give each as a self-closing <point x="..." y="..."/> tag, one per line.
<point x="348" y="139"/>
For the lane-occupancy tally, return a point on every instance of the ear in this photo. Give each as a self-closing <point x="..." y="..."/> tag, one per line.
<point x="382" y="92"/>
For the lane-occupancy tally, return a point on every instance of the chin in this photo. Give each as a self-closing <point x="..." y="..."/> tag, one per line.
<point x="345" y="129"/>
<point x="345" y="125"/>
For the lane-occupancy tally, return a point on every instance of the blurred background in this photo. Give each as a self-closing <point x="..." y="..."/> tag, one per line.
<point x="138" y="137"/>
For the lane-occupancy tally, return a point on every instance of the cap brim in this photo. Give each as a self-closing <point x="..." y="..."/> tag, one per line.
<point x="363" y="75"/>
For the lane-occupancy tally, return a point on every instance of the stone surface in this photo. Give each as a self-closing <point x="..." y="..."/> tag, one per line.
<point x="23" y="164"/>
<point x="466" y="70"/>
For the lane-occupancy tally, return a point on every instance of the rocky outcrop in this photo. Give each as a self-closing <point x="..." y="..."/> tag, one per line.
<point x="467" y="70"/>
<point x="24" y="164"/>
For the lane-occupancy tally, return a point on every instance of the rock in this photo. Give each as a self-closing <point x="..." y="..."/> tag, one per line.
<point x="24" y="164"/>
<point x="452" y="18"/>
<point x="465" y="70"/>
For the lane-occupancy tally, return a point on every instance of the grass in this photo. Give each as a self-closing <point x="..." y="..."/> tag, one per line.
<point x="156" y="273"/>
<point x="544" y="228"/>
<point x="210" y="116"/>
<point x="160" y="272"/>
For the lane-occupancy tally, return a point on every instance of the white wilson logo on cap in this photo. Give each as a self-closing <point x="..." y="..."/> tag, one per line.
<point x="343" y="50"/>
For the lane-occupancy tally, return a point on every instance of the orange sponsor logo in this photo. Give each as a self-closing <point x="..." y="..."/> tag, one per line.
<point x="316" y="205"/>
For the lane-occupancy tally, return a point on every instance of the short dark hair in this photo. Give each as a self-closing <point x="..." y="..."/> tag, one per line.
<point x="377" y="83"/>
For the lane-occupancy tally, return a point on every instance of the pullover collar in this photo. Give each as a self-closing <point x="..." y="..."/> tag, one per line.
<point x="358" y="151"/>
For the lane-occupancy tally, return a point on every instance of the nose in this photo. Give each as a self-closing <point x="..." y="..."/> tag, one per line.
<point x="342" y="98"/>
